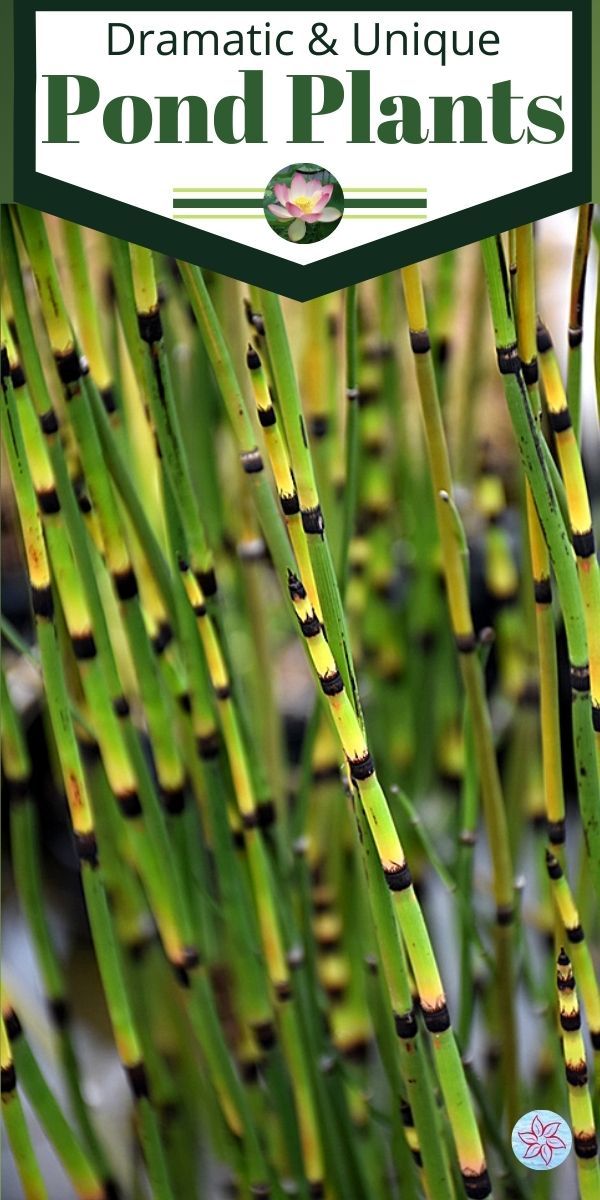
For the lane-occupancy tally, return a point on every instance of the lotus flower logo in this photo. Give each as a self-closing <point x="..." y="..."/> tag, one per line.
<point x="541" y="1140"/>
<point x="303" y="203"/>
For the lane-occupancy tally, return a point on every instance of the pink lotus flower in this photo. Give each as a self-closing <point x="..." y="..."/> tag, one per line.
<point x="542" y="1140"/>
<point x="303" y="203"/>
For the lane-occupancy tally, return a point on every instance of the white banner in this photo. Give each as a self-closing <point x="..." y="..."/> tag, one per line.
<point x="415" y="115"/>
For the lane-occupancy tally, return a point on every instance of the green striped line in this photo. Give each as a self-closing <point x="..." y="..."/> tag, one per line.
<point x="258" y="216"/>
<point x="249" y="202"/>
<point x="232" y="190"/>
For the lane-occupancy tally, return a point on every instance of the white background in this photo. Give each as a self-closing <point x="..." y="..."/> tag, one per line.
<point x="456" y="176"/>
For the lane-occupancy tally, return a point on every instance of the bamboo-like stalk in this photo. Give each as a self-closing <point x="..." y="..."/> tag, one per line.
<point x="310" y="508"/>
<point x="582" y="1118"/>
<point x="539" y="556"/>
<point x="467" y="840"/>
<point x="580" y="515"/>
<point x="250" y="458"/>
<point x="578" y="945"/>
<point x="265" y="951"/>
<point x="121" y="773"/>
<point x="418" y="1108"/>
<point x="15" y="1124"/>
<point x="253" y="841"/>
<point x="16" y="765"/>
<point x="75" y="786"/>
<point x="389" y="849"/>
<point x="87" y="316"/>
<point x="398" y="877"/>
<point x="282" y="473"/>
<point x="470" y="666"/>
<point x="185" y="957"/>
<point x="49" y="419"/>
<point x="534" y="465"/>
<point x="78" y="1168"/>
<point x="581" y="251"/>
<point x="352" y="439"/>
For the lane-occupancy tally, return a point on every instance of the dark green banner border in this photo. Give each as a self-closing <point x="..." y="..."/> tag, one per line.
<point x="267" y="270"/>
<point x="595" y="100"/>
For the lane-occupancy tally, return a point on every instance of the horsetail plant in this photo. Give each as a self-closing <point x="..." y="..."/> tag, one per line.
<point x="291" y="634"/>
<point x="16" y="1126"/>
<point x="534" y="465"/>
<point x="575" y="332"/>
<point x="466" y="643"/>
<point x="582" y="1117"/>
<point x="539" y="555"/>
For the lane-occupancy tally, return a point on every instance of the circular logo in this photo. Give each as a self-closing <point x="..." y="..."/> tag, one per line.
<point x="541" y="1139"/>
<point x="303" y="203"/>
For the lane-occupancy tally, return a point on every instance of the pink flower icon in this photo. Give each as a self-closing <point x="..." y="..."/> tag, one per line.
<point x="542" y="1140"/>
<point x="303" y="203"/>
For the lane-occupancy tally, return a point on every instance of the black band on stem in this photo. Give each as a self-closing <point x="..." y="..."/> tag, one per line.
<point x="530" y="372"/>
<point x="509" y="362"/>
<point x="580" y="678"/>
<point x="556" y="832"/>
<point x="87" y="848"/>
<point x="42" y="602"/>
<point x="207" y="580"/>
<point x="208" y="745"/>
<point x="437" y="1020"/>
<point x="48" y="501"/>
<point x="585" y="1145"/>
<point x="332" y="685"/>
<point x="560" y="421"/>
<point x="398" y="879"/>
<point x="84" y="646"/>
<point x="69" y="367"/>
<point x="13" y="1025"/>
<point x="419" y="341"/>
<point x="174" y="800"/>
<point x="406" y="1024"/>
<point x="290" y="505"/>
<point x="310" y="625"/>
<point x="8" y="1079"/>
<point x="49" y="422"/>
<point x="542" y="591"/>
<point x="477" y="1187"/>
<point x="251" y="461"/>
<point x="575" y="933"/>
<point x="125" y="584"/>
<point x="583" y="543"/>
<point x="138" y="1080"/>
<point x="267" y="417"/>
<point x="129" y="804"/>
<point x="362" y="768"/>
<point x="312" y="520"/>
<point x="150" y="326"/>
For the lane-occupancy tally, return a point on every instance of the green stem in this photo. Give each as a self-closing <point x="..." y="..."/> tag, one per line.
<point x="563" y="561"/>
<point x="301" y="461"/>
<point x="352" y="433"/>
